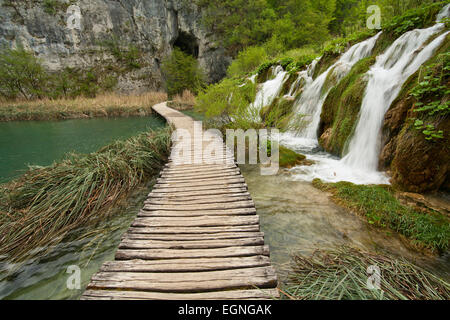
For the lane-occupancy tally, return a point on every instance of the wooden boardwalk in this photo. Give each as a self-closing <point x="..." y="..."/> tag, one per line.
<point x="197" y="237"/>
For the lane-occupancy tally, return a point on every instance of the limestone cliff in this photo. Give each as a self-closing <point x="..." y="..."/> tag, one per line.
<point x="152" y="26"/>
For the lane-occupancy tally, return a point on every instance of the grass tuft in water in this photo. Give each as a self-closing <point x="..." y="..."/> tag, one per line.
<point x="342" y="274"/>
<point x="41" y="207"/>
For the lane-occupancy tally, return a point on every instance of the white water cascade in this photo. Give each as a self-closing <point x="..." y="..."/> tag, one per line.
<point x="269" y="91"/>
<point x="311" y="101"/>
<point x="386" y="78"/>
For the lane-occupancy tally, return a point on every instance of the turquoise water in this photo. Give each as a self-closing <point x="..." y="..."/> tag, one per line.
<point x="24" y="143"/>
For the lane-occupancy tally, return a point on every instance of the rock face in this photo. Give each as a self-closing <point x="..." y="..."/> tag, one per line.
<point x="153" y="26"/>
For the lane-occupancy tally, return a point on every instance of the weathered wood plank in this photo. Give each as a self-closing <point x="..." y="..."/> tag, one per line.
<point x="194" y="244"/>
<point x="203" y="221"/>
<point x="185" y="265"/>
<point x="260" y="277"/>
<point x="198" y="213"/>
<point x="155" y="254"/>
<point x="193" y="201"/>
<point x="199" y="173"/>
<point x="255" y="294"/>
<point x="201" y="182"/>
<point x="188" y="193"/>
<point x="190" y="207"/>
<point x="218" y="176"/>
<point x="194" y="230"/>
<point x="189" y="237"/>
<point x="194" y="197"/>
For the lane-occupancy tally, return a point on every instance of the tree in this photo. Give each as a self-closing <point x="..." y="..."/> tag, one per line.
<point x="182" y="71"/>
<point x="21" y="74"/>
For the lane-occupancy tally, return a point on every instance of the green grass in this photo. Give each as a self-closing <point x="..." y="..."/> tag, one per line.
<point x="380" y="207"/>
<point x="38" y="209"/>
<point x="342" y="275"/>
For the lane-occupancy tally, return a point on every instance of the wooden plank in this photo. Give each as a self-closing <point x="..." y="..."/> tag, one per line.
<point x="210" y="200"/>
<point x="194" y="244"/>
<point x="214" y="176"/>
<point x="188" y="237"/>
<point x="190" y="207"/>
<point x="199" y="173"/>
<point x="185" y="265"/>
<point x="203" y="221"/>
<point x="170" y="189"/>
<point x="193" y="197"/>
<point x="260" y="277"/>
<point x="194" y="230"/>
<point x="255" y="294"/>
<point x="188" y="193"/>
<point x="200" y="182"/>
<point x="197" y="213"/>
<point x="160" y="254"/>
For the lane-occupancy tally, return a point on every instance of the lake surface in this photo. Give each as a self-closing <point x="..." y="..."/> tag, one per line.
<point x="24" y="143"/>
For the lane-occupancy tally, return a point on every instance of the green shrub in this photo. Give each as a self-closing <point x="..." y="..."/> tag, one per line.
<point x="431" y="95"/>
<point x="415" y="18"/>
<point x="128" y="55"/>
<point x="21" y="75"/>
<point x="225" y="98"/>
<point x="247" y="61"/>
<point x="181" y="71"/>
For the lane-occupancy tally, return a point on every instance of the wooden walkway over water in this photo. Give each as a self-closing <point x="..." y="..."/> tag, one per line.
<point x="197" y="237"/>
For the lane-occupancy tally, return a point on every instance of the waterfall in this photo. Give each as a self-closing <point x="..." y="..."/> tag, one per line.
<point x="386" y="78"/>
<point x="303" y="80"/>
<point x="445" y="13"/>
<point x="311" y="101"/>
<point x="269" y="90"/>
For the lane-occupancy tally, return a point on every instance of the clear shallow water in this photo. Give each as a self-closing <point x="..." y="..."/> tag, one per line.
<point x="24" y="143"/>
<point x="298" y="218"/>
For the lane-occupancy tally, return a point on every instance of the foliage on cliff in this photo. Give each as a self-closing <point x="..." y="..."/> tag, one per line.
<point x="182" y="72"/>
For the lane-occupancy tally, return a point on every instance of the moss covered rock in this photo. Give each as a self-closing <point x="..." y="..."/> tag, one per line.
<point x="341" y="108"/>
<point x="289" y="158"/>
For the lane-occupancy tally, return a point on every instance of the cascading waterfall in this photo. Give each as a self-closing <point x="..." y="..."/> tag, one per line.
<point x="386" y="78"/>
<point x="303" y="80"/>
<point x="311" y="101"/>
<point x="269" y="90"/>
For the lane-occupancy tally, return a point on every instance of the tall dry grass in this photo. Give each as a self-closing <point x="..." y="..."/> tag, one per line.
<point x="104" y="105"/>
<point x="184" y="101"/>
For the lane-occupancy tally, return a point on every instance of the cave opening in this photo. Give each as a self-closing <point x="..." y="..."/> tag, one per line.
<point x="187" y="43"/>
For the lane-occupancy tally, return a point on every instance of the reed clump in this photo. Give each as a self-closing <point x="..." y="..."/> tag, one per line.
<point x="342" y="274"/>
<point x="103" y="105"/>
<point x="41" y="207"/>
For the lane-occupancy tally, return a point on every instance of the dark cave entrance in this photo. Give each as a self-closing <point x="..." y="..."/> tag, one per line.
<point x="187" y="43"/>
